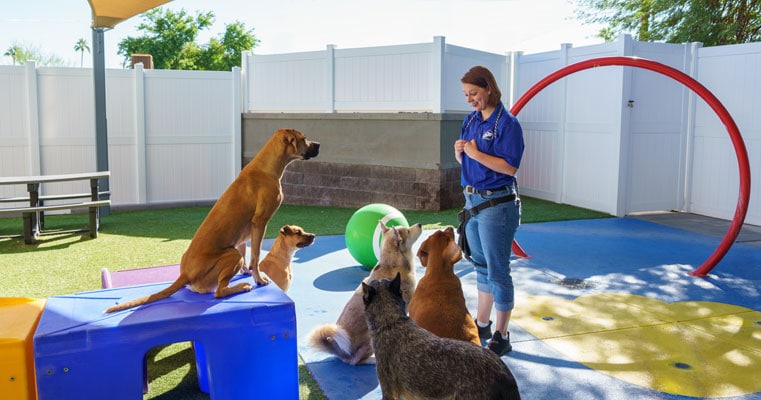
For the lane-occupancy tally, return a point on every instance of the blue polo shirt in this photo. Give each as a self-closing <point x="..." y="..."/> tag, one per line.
<point x="506" y="142"/>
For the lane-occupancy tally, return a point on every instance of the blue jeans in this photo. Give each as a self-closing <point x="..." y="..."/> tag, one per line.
<point x="490" y="235"/>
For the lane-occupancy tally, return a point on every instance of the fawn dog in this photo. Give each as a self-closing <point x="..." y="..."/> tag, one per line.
<point x="349" y="338"/>
<point x="438" y="303"/>
<point x="277" y="263"/>
<point x="217" y="250"/>
<point x="413" y="363"/>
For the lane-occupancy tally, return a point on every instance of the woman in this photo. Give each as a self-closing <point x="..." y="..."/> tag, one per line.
<point x="489" y="149"/>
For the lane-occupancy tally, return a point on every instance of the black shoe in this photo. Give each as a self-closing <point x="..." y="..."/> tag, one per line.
<point x="485" y="331"/>
<point x="500" y="345"/>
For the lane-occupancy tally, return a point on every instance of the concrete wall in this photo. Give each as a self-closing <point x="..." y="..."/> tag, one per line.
<point x="401" y="159"/>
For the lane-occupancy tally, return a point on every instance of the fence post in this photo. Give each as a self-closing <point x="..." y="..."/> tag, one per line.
<point x="691" y="64"/>
<point x="623" y="202"/>
<point x="33" y="118"/>
<point x="510" y="75"/>
<point x="140" y="142"/>
<point x="245" y="56"/>
<point x="437" y="73"/>
<point x="562" y="124"/>
<point x="237" y="158"/>
<point x="330" y="70"/>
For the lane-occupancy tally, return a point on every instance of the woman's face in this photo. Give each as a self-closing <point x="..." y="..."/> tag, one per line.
<point x="476" y="96"/>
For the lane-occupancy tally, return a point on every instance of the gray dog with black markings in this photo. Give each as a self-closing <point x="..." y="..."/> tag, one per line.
<point x="415" y="364"/>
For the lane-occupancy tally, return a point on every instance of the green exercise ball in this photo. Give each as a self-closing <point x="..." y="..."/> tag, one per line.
<point x="363" y="234"/>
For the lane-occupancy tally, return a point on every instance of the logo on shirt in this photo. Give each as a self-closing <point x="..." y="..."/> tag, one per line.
<point x="489" y="135"/>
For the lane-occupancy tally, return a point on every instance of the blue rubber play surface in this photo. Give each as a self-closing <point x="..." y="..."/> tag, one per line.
<point x="605" y="309"/>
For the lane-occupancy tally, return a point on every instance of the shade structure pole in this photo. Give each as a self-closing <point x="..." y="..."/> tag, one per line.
<point x="101" y="125"/>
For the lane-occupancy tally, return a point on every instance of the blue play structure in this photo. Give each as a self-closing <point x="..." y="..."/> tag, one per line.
<point x="80" y="352"/>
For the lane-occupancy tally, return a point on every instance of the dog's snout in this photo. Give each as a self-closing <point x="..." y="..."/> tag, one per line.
<point x="312" y="150"/>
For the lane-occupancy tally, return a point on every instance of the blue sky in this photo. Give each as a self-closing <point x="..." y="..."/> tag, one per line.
<point x="285" y="26"/>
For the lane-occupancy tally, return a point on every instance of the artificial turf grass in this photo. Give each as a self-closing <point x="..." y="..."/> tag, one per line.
<point x="70" y="263"/>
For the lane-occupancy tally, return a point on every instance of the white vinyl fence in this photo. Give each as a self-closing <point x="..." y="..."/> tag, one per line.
<point x="173" y="136"/>
<point x="614" y="139"/>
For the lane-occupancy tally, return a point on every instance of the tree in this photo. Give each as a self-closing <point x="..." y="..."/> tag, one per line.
<point x="13" y="52"/>
<point x="21" y="53"/>
<point x="712" y="22"/>
<point x="81" y="46"/>
<point x="224" y="52"/>
<point x="170" y="37"/>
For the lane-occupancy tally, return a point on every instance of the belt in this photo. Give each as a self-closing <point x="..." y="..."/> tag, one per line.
<point x="490" y="203"/>
<point x="484" y="192"/>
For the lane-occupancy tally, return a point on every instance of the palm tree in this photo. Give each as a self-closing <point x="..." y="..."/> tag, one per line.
<point x="81" y="46"/>
<point x="12" y="52"/>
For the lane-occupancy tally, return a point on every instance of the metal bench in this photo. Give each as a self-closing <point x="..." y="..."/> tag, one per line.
<point x="33" y="213"/>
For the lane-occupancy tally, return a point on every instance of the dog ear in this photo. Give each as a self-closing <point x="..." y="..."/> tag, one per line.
<point x="383" y="226"/>
<point x="290" y="139"/>
<point x="397" y="236"/>
<point x="422" y="254"/>
<point x="457" y="256"/>
<point x="368" y="293"/>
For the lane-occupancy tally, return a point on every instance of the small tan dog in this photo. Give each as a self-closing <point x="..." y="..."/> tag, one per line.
<point x="349" y="338"/>
<point x="438" y="303"/>
<point x="218" y="248"/>
<point x="277" y="263"/>
<point x="413" y="363"/>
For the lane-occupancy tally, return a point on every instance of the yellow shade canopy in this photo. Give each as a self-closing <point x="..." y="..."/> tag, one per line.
<point x="108" y="13"/>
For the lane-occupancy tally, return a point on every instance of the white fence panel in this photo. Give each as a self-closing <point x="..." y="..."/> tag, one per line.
<point x="67" y="142"/>
<point x="122" y="111"/>
<point x="387" y="78"/>
<point x="541" y="169"/>
<point x="304" y="77"/>
<point x="188" y="129"/>
<point x="657" y="131"/>
<point x="572" y="129"/>
<point x="15" y="140"/>
<point x="172" y="135"/>
<point x="457" y="61"/>
<point x="731" y="74"/>
<point x="592" y="131"/>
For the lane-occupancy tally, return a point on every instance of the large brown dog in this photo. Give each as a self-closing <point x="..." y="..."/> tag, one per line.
<point x="217" y="250"/>
<point x="438" y="303"/>
<point x="349" y="338"/>
<point x="277" y="263"/>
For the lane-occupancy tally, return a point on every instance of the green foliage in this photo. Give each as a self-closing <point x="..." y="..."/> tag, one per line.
<point x="170" y="37"/>
<point x="712" y="22"/>
<point x="21" y="53"/>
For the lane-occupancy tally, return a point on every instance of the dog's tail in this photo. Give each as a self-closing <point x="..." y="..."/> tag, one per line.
<point x="177" y="285"/>
<point x="333" y="339"/>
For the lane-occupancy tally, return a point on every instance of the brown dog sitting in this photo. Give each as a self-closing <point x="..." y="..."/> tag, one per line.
<point x="348" y="338"/>
<point x="217" y="250"/>
<point x="438" y="303"/>
<point x="413" y="363"/>
<point x="277" y="263"/>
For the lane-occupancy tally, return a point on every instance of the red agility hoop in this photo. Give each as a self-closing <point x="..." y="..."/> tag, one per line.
<point x="718" y="108"/>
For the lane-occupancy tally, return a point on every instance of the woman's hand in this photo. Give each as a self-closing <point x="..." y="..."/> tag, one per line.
<point x="463" y="146"/>
<point x="493" y="163"/>
<point x="459" y="148"/>
<point x="470" y="148"/>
